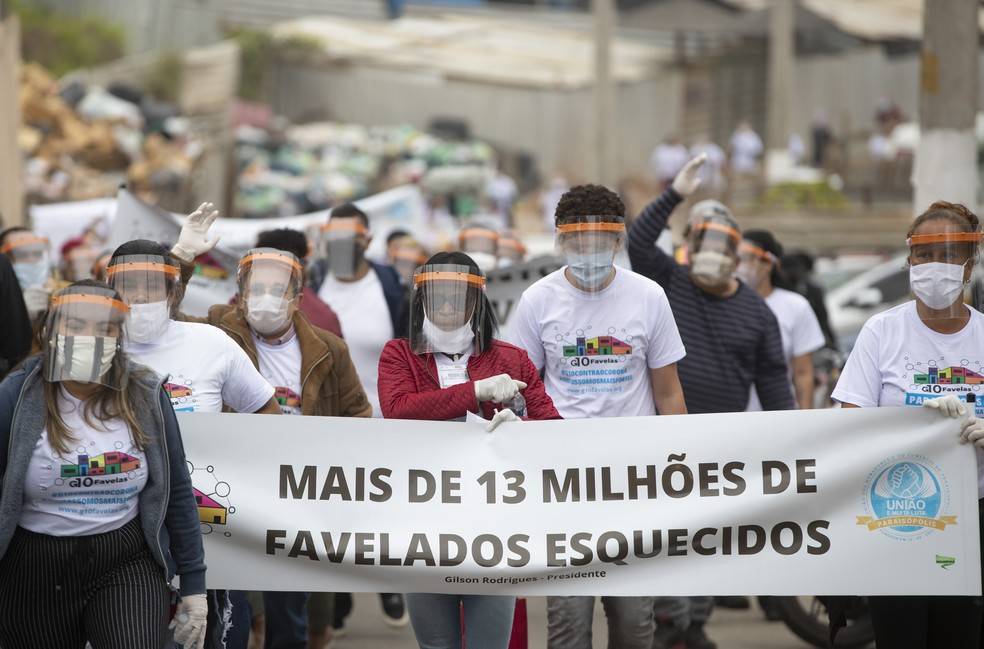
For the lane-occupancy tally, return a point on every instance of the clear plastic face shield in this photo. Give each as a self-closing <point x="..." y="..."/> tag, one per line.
<point x="28" y="254"/>
<point x="407" y="256"/>
<point x="147" y="284"/>
<point x="511" y="250"/>
<point x="270" y="284"/>
<point x="713" y="252"/>
<point x="755" y="264"/>
<point x="481" y="244"/>
<point x="447" y="309"/>
<point x="83" y="334"/>
<point x="344" y="241"/>
<point x="941" y="261"/>
<point x="588" y="247"/>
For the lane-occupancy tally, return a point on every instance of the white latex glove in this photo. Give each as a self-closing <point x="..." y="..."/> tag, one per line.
<point x="949" y="406"/>
<point x="36" y="300"/>
<point x="193" y="240"/>
<point x="688" y="180"/>
<point x="501" y="417"/>
<point x="498" y="389"/>
<point x="189" y="621"/>
<point x="973" y="432"/>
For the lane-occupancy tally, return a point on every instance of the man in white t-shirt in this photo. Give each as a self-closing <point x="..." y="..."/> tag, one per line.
<point x="746" y="148"/>
<point x="369" y="300"/>
<point x="667" y="160"/>
<point x="204" y="368"/>
<point x="759" y="256"/>
<point x="367" y="297"/>
<point x="607" y="343"/>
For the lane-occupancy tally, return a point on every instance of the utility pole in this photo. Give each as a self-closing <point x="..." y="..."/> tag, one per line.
<point x="946" y="160"/>
<point x="782" y="53"/>
<point x="606" y="164"/>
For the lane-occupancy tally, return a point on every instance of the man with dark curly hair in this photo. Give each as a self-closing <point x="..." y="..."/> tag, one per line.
<point x="607" y="344"/>
<point x="725" y="325"/>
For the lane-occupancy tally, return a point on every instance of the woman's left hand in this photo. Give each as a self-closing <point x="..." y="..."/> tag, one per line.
<point x="973" y="432"/>
<point x="949" y="406"/>
<point x="501" y="416"/>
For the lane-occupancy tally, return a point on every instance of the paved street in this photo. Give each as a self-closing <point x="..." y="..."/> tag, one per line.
<point x="730" y="629"/>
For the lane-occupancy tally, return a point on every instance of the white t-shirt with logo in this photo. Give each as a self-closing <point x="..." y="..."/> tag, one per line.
<point x="597" y="348"/>
<point x="203" y="368"/>
<point x="899" y="361"/>
<point x="90" y="490"/>
<point x="280" y="365"/>
<point x="366" y="325"/>
<point x="799" y="328"/>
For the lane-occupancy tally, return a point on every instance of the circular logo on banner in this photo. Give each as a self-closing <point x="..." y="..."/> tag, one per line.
<point x="906" y="498"/>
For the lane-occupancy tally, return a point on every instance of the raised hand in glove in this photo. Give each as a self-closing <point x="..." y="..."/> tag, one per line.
<point x="498" y="389"/>
<point x="688" y="180"/>
<point x="194" y="240"/>
<point x="501" y="417"/>
<point x="189" y="621"/>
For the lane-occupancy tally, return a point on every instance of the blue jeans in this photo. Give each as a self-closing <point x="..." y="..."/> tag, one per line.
<point x="436" y="620"/>
<point x="286" y="620"/>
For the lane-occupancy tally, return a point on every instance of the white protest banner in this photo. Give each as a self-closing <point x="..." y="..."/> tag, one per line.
<point x="871" y="502"/>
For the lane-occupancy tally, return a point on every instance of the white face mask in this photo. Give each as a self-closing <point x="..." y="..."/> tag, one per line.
<point x="484" y="260"/>
<point x="267" y="314"/>
<point x="937" y="285"/>
<point x="145" y="323"/>
<point x="456" y="341"/>
<point x="82" y="365"/>
<point x="590" y="270"/>
<point x="712" y="267"/>
<point x="31" y="275"/>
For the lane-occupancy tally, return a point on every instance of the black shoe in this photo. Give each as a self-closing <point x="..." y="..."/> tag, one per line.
<point x="394" y="610"/>
<point x="667" y="636"/>
<point x="738" y="602"/>
<point x="697" y="639"/>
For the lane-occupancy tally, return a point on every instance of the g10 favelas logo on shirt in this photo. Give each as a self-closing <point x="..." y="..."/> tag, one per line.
<point x="595" y="363"/>
<point x="105" y="468"/>
<point x="906" y="498"/>
<point x="937" y="378"/>
<point x="181" y="393"/>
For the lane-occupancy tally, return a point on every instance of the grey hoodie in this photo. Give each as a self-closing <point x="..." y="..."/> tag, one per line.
<point x="168" y="511"/>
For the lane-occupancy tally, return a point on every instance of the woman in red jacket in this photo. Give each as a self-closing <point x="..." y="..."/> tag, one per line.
<point x="449" y="365"/>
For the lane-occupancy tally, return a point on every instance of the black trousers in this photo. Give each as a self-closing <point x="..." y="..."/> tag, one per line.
<point x="923" y="622"/>
<point x="59" y="592"/>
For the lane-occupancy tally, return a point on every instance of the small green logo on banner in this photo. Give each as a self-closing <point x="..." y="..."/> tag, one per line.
<point x="944" y="562"/>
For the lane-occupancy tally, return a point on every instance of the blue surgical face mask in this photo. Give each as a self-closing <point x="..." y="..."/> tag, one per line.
<point x="32" y="274"/>
<point x="591" y="269"/>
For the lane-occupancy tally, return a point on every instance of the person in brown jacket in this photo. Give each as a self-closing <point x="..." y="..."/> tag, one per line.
<point x="312" y="374"/>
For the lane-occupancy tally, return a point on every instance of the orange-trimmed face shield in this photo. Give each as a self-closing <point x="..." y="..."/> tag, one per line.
<point x="946" y="246"/>
<point x="82" y="334"/>
<point x="268" y="271"/>
<point x="143" y="279"/>
<point x="447" y="301"/>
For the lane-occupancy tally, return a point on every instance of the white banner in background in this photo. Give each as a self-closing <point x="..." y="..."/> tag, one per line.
<point x="872" y="501"/>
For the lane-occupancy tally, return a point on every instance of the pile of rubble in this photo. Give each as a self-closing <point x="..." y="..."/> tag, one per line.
<point x="82" y="142"/>
<point x="285" y="170"/>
